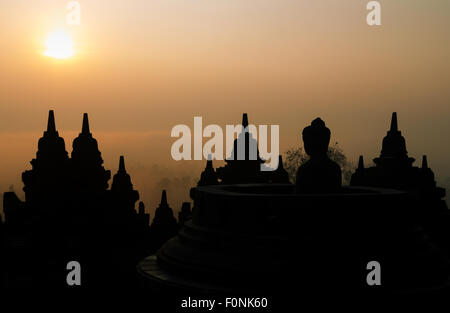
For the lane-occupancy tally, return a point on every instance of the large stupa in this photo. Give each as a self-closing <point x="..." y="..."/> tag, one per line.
<point x="395" y="169"/>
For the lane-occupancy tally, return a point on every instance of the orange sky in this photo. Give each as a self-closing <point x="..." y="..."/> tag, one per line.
<point x="142" y="67"/>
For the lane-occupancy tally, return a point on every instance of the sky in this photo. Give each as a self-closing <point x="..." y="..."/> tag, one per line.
<point x="141" y="67"/>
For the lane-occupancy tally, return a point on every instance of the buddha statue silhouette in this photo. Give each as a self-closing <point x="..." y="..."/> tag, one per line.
<point x="319" y="174"/>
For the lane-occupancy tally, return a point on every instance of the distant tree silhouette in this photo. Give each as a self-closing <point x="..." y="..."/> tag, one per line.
<point x="292" y="161"/>
<point x="294" y="157"/>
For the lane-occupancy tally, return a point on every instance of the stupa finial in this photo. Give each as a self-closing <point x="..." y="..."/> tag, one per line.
<point x="424" y="162"/>
<point x="163" y="198"/>
<point x="85" y="128"/>
<point x="51" y="128"/>
<point x="122" y="165"/>
<point x="394" y="125"/>
<point x="244" y="120"/>
<point x="361" y="163"/>
<point x="209" y="161"/>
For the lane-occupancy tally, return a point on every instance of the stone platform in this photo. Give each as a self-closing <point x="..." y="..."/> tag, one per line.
<point x="264" y="237"/>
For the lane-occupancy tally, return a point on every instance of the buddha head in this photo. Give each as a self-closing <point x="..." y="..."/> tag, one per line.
<point x="316" y="139"/>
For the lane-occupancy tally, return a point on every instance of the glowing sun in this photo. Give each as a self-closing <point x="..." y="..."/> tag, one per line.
<point x="59" y="45"/>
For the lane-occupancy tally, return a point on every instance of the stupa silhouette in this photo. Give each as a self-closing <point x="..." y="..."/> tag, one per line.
<point x="69" y="214"/>
<point x="164" y="225"/>
<point x="395" y="169"/>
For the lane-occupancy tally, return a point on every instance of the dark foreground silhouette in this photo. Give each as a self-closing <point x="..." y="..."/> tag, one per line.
<point x="249" y="232"/>
<point x="70" y="215"/>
